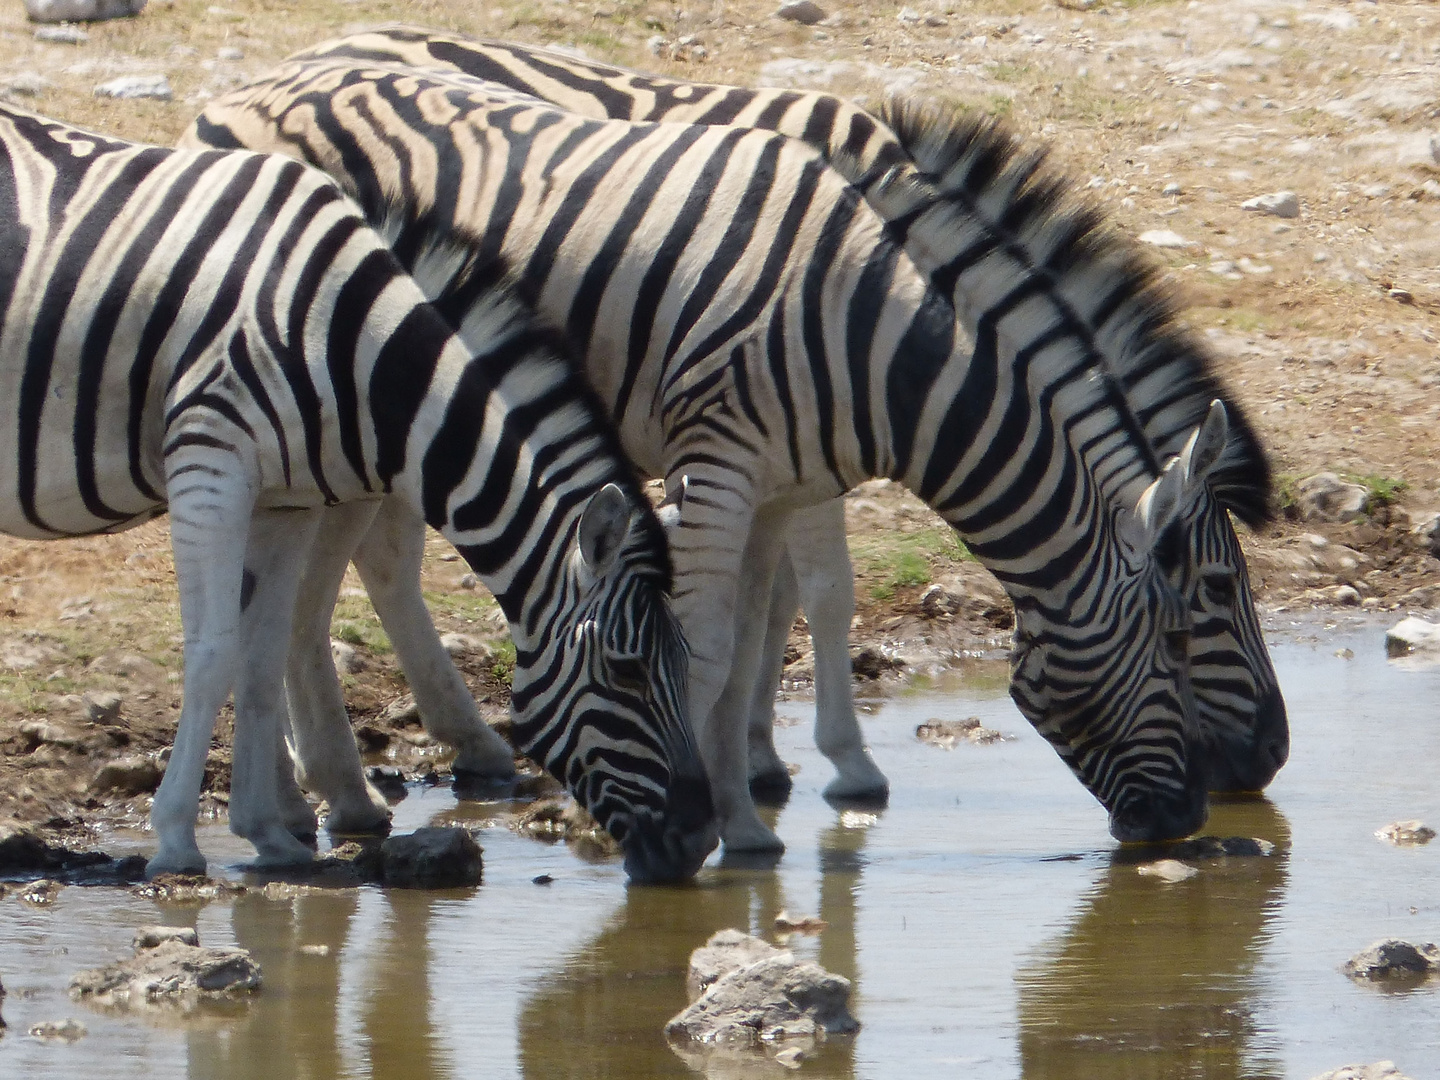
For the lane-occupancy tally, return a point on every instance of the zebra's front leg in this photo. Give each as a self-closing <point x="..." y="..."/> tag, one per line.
<point x="389" y="559"/>
<point x="275" y="559"/>
<point x="827" y="593"/>
<point x="327" y="757"/>
<point x="210" y="501"/>
<point x="725" y="627"/>
<point x="769" y="775"/>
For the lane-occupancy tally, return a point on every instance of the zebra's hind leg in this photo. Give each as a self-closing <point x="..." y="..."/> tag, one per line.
<point x="770" y="781"/>
<point x="275" y="558"/>
<point x="389" y="559"/>
<point x="210" y="505"/>
<point x="326" y="755"/>
<point x="827" y="593"/>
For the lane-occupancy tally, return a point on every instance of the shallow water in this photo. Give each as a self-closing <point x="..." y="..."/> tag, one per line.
<point x="989" y="925"/>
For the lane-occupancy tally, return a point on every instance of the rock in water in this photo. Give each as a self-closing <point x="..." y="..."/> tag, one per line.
<point x="432" y="858"/>
<point x="726" y="951"/>
<point x="1412" y="635"/>
<point x="1406" y="833"/>
<point x="172" y="969"/>
<point x="54" y="11"/>
<point x="1393" y="958"/>
<point x="1381" y="1070"/>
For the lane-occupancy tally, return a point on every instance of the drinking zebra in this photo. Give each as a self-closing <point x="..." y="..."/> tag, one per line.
<point x="756" y="333"/>
<point x="221" y="335"/>
<point x="971" y="207"/>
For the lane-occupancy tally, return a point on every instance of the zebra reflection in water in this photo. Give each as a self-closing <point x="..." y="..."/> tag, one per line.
<point x="1158" y="980"/>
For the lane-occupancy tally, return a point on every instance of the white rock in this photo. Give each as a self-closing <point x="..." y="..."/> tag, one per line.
<point x="1406" y="833"/>
<point x="27" y="84"/>
<point x="1168" y="870"/>
<point x="908" y="15"/>
<point x="62" y="35"/>
<point x="803" y="12"/>
<point x="55" y="11"/>
<point x="1172" y="188"/>
<point x="1284" y="204"/>
<point x="137" y="86"/>
<point x="347" y="658"/>
<point x="460" y="644"/>
<point x="1164" y="238"/>
<point x="229" y="52"/>
<point x="1381" y="1070"/>
<point x="1325" y="497"/>
<point x="1412" y="635"/>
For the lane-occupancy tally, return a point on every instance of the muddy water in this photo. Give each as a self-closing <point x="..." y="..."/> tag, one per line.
<point x="990" y="925"/>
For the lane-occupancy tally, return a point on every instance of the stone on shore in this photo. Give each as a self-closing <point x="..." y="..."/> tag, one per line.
<point x="1381" y="1070"/>
<point x="1412" y="635"/>
<point x="803" y="12"/>
<point x="1285" y="204"/>
<point x="72" y="11"/>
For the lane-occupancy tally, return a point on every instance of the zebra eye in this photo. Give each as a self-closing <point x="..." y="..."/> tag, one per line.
<point x="1220" y="587"/>
<point x="1177" y="645"/>
<point x="628" y="673"/>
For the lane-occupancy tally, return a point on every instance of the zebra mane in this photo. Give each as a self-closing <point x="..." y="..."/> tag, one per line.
<point x="1162" y="377"/>
<point x="481" y="298"/>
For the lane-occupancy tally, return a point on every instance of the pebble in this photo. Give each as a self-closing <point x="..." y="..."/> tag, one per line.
<point x="1172" y="188"/>
<point x="136" y="86"/>
<point x="229" y="52"/>
<point x="1406" y="833"/>
<point x="469" y="581"/>
<point x="127" y="777"/>
<point x="1285" y="204"/>
<point x="62" y="35"/>
<point x="102" y="706"/>
<point x="1380" y="1070"/>
<point x="948" y="734"/>
<point x="802" y="11"/>
<point x="73" y="11"/>
<point x="1168" y="870"/>
<point x="67" y="1031"/>
<point x="1163" y="238"/>
<point x="27" y="84"/>
<point x="346" y="657"/>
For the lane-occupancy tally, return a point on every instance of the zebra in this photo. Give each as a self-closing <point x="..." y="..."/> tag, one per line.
<point x="221" y="335"/>
<point x="779" y="373"/>
<point x="973" y="200"/>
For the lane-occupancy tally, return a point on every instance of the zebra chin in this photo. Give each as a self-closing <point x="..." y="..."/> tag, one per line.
<point x="673" y="845"/>
<point x="1248" y="761"/>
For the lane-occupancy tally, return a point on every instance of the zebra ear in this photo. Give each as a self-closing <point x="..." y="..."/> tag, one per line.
<point x="1160" y="503"/>
<point x="1206" y="444"/>
<point x="603" y="525"/>
<point x="671" y="507"/>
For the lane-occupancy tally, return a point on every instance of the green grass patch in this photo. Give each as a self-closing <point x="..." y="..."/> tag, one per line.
<point x="366" y="635"/>
<point x="1384" y="491"/>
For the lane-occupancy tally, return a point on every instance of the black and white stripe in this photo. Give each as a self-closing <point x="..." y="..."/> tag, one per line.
<point x="972" y="206"/>
<point x="755" y="331"/>
<point x="221" y="335"/>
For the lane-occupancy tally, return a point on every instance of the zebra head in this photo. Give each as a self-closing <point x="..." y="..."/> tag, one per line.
<point x="1237" y="695"/>
<point x="603" y="704"/>
<point x="1102" y="672"/>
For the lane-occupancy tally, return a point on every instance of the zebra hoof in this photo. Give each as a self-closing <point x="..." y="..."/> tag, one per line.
<point x="771" y="788"/>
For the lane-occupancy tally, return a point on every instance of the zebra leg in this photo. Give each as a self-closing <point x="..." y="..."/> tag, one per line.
<point x="272" y="580"/>
<point x="389" y="559"/>
<point x="827" y="593"/>
<point x="769" y="776"/>
<point x="325" y="751"/>
<point x="209" y="516"/>
<point x="725" y="654"/>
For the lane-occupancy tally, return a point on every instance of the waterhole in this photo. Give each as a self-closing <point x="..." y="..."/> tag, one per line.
<point x="990" y="925"/>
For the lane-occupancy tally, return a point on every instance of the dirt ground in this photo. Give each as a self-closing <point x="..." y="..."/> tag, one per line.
<point x="1170" y="115"/>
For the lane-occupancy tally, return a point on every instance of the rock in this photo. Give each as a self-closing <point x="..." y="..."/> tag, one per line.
<point x="102" y="706"/>
<point x="774" y="998"/>
<point x="469" y="581"/>
<point x="346" y="657"/>
<point x="127" y="777"/>
<point x="432" y="858"/>
<point x="802" y="11"/>
<point x="908" y="15"/>
<point x="1285" y="204"/>
<point x="787" y="923"/>
<point x="1325" y="497"/>
<point x="171" y="969"/>
<point x="1221" y="847"/>
<point x="24" y="851"/>
<point x="1406" y="833"/>
<point x="1393" y="958"/>
<point x="66" y="1031"/>
<point x="790" y="1057"/>
<point x="62" y="35"/>
<point x="1168" y="870"/>
<point x="1345" y="595"/>
<point x="229" y="52"/>
<point x="948" y="734"/>
<point x="1412" y="635"/>
<point x="937" y="600"/>
<point x="1172" y="188"/>
<point x="1381" y="1070"/>
<point x="186" y="889"/>
<point x="1164" y="238"/>
<point x="868" y="662"/>
<point x="150" y="937"/>
<point x="27" y="84"/>
<point x="69" y="11"/>
<point x="560" y="817"/>
<point x="726" y="951"/>
<point x="1425" y="533"/>
<point x="458" y="645"/>
<point x="136" y="86"/>
<point x="41" y="893"/>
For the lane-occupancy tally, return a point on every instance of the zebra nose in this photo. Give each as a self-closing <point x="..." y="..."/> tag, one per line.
<point x="1153" y="815"/>
<point x="674" y="845"/>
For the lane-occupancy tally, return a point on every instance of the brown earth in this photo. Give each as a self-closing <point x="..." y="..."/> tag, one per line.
<point x="1168" y="114"/>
